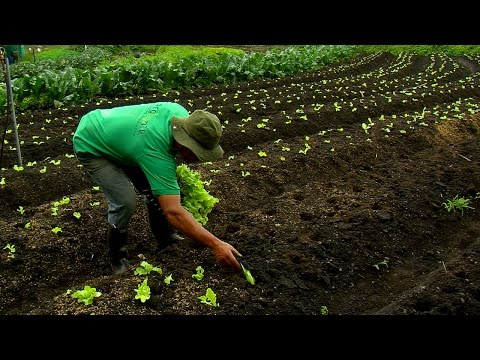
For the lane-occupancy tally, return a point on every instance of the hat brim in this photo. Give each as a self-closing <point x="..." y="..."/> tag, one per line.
<point x="182" y="137"/>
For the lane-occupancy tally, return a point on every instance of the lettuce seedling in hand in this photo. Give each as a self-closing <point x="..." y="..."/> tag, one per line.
<point x="195" y="198"/>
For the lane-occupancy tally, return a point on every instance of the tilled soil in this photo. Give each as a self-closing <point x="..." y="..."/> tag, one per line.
<point x="331" y="216"/>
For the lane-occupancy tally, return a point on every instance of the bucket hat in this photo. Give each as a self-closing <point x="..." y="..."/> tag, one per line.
<point x="200" y="132"/>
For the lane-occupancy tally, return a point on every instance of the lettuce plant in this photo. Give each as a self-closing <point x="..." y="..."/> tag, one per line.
<point x="210" y="298"/>
<point x="11" y="249"/>
<point x="56" y="205"/>
<point x="248" y="275"/>
<point x="86" y="295"/>
<point x="145" y="268"/>
<point x="143" y="291"/>
<point x="195" y="198"/>
<point x="56" y="230"/>
<point x="199" y="273"/>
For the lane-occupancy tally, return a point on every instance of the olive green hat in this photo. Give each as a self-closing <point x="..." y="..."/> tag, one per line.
<point x="200" y="132"/>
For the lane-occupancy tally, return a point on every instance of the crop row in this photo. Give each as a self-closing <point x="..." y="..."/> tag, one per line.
<point x="319" y="108"/>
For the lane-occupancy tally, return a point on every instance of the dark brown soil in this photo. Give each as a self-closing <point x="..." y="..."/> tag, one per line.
<point x="355" y="225"/>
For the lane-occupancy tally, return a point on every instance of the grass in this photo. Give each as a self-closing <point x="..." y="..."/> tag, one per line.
<point x="457" y="203"/>
<point x="51" y="52"/>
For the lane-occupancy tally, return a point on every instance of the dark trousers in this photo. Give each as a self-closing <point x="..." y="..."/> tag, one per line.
<point x="158" y="223"/>
<point x="118" y="183"/>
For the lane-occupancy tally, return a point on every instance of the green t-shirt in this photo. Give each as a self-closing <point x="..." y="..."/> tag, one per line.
<point x="134" y="135"/>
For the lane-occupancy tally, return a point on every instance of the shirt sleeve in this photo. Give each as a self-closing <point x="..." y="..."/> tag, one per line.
<point x="161" y="173"/>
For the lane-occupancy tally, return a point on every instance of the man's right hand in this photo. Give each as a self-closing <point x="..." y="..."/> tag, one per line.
<point x="184" y="222"/>
<point x="226" y="255"/>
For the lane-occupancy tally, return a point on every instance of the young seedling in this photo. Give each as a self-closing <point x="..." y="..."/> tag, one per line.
<point x="457" y="203"/>
<point x="64" y="201"/>
<point x="210" y="298"/>
<point x="323" y="310"/>
<point x="304" y="151"/>
<point x="366" y="127"/>
<point x="11" y="249"/>
<point x="199" y="274"/>
<point x="56" y="230"/>
<point x="56" y="205"/>
<point x="384" y="262"/>
<point x="86" y="295"/>
<point x="21" y="210"/>
<point x="145" y="268"/>
<point x="248" y="275"/>
<point x="143" y="291"/>
<point x="168" y="279"/>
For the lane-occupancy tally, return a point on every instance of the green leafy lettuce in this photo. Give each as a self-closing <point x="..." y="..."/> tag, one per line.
<point x="195" y="198"/>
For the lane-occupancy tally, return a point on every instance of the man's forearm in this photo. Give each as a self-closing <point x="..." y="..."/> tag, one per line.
<point x="184" y="222"/>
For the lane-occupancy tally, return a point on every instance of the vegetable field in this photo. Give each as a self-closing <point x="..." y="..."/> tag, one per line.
<point x="350" y="190"/>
